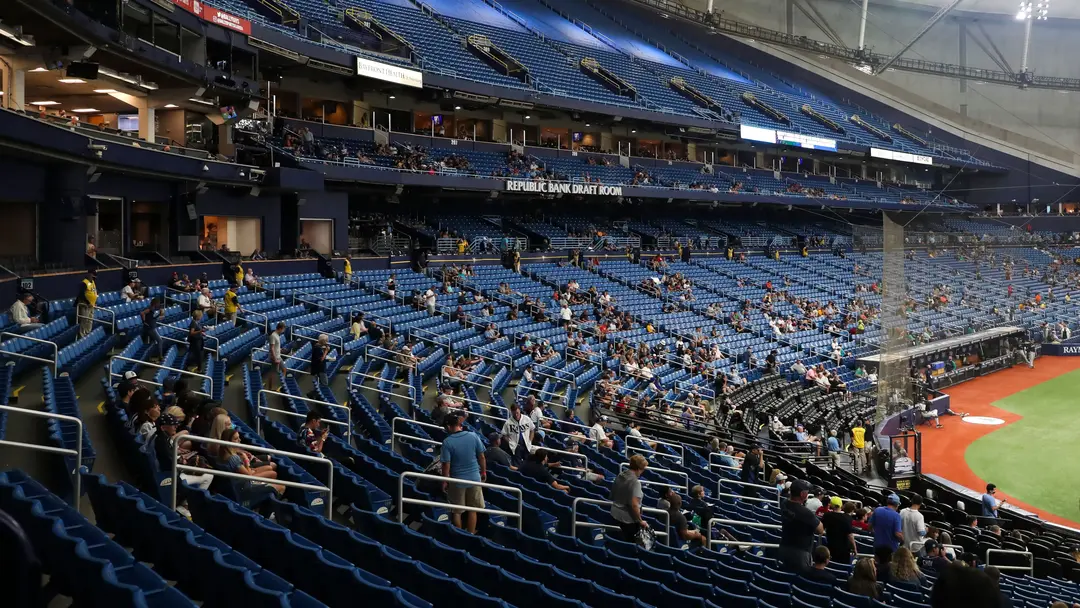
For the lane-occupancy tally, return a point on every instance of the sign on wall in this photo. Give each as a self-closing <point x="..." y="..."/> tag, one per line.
<point x="902" y="157"/>
<point x="389" y="73"/>
<point x="562" y="188"/>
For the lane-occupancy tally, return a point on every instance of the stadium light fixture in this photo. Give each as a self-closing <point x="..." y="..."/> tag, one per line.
<point x="105" y="91"/>
<point x="40" y="69"/>
<point x="1038" y="10"/>
<point x="457" y="107"/>
<point x="202" y="101"/>
<point x="85" y="110"/>
<point x="72" y="81"/>
<point x="171" y="106"/>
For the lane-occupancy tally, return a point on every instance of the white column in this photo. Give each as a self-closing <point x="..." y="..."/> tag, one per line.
<point x="147" y="126"/>
<point x="1027" y="43"/>
<point x="14" y="89"/>
<point x="862" y="24"/>
<point x="709" y="10"/>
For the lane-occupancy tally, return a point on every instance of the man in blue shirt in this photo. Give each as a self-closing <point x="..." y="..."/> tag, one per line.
<point x="463" y="458"/>
<point x="885" y="522"/>
<point x="833" y="445"/>
<point x="990" y="505"/>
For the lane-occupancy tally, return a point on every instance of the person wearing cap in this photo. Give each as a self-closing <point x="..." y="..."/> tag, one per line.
<point x="990" y="505"/>
<point x="839" y="532"/>
<point x="935" y="559"/>
<point x="495" y="454"/>
<point x="798" y="525"/>
<point x="912" y="522"/>
<point x="463" y="458"/>
<point x="598" y="433"/>
<point x="85" y="302"/>
<point x="886" y="525"/>
<point x="752" y="465"/>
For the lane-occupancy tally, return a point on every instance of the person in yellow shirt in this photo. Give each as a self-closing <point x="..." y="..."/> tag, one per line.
<point x="232" y="304"/>
<point x="239" y="277"/>
<point x="348" y="270"/>
<point x="86" y="301"/>
<point x="462" y="244"/>
<point x="858" y="447"/>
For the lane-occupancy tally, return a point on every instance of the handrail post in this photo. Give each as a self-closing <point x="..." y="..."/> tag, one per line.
<point x="76" y="483"/>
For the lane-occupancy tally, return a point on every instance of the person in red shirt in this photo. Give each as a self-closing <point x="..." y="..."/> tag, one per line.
<point x="1010" y="290"/>
<point x="859" y="520"/>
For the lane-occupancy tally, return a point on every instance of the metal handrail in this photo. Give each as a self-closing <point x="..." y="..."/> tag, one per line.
<point x="585" y="466"/>
<point x="571" y="381"/>
<point x="626" y="465"/>
<point x="370" y="315"/>
<point x="468" y="373"/>
<point x="636" y="449"/>
<point x="1031" y="559"/>
<point x="489" y="359"/>
<point x="368" y="355"/>
<point x="582" y="426"/>
<point x="216" y="349"/>
<point x="246" y="313"/>
<point x="750" y="524"/>
<point x="394" y="434"/>
<point x="437" y="339"/>
<point x="55" y="361"/>
<point x="472" y="350"/>
<point x="329" y="335"/>
<point x="575" y="524"/>
<point x="182" y="372"/>
<point x="187" y="300"/>
<point x="264" y="391"/>
<point x="647" y="440"/>
<point x="93" y="319"/>
<point x="291" y="370"/>
<point x="402" y="501"/>
<point x="76" y="481"/>
<point x="328" y="488"/>
<point x="379" y="380"/>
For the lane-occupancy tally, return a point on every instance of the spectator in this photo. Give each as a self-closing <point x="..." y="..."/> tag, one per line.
<point x="518" y="431"/>
<point x="463" y="458"/>
<point x="311" y="436"/>
<point x="962" y="586"/>
<point x="903" y="568"/>
<point x="429" y="301"/>
<point x="232" y="304"/>
<point x="885" y="522"/>
<point x="146" y="413"/>
<point x="832" y="445"/>
<point x="935" y="559"/>
<point x="798" y="527"/>
<point x="858" y="448"/>
<point x="912" y="522"/>
<point x="169" y="432"/>
<point x="131" y="291"/>
<point x="697" y="504"/>
<point x="863" y="580"/>
<point x="277" y="362"/>
<point x="319" y="353"/>
<point x="536" y="467"/>
<point x="626" y="498"/>
<point x="995" y="576"/>
<point x="85" y="302"/>
<point x="150" y="317"/>
<point x="752" y="465"/>
<point x="990" y="505"/>
<point x="358" y="327"/>
<point x="204" y="419"/>
<point x="218" y="425"/>
<point x="818" y="573"/>
<point x="839" y="533"/>
<point x="679" y="524"/>
<point x="196" y="336"/>
<point x="205" y="303"/>
<point x="598" y="434"/>
<point x="860" y="519"/>
<point x="495" y="454"/>
<point x="20" y="314"/>
<point x="816" y="500"/>
<point x="234" y="459"/>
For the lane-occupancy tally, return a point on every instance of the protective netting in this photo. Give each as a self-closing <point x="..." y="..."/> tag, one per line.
<point x="893" y="372"/>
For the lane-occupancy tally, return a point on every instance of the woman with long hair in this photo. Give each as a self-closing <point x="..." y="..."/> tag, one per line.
<point x="235" y="459"/>
<point x="863" y="579"/>
<point x="218" y="426"/>
<point x="903" y="566"/>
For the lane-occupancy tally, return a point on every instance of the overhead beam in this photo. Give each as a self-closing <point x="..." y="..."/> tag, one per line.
<point x="938" y="16"/>
<point x="1004" y="63"/>
<point x="824" y="27"/>
<point x="835" y="35"/>
<point x="996" y="58"/>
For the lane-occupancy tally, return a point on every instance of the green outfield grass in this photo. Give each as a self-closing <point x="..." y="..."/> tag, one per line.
<point x="1037" y="459"/>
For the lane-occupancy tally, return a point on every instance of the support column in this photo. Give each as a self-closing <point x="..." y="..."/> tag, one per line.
<point x="862" y="24"/>
<point x="147" y="122"/>
<point x="15" y="89"/>
<point x="710" y="7"/>
<point x="62" y="217"/>
<point x="790" y="17"/>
